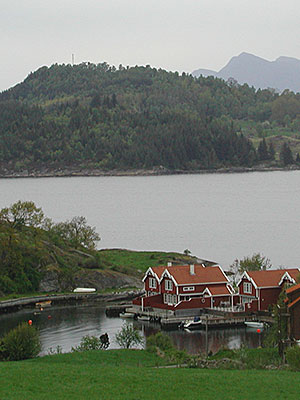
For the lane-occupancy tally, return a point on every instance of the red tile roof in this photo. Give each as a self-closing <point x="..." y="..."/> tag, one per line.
<point x="158" y="270"/>
<point x="219" y="290"/>
<point x="182" y="275"/>
<point x="271" y="278"/>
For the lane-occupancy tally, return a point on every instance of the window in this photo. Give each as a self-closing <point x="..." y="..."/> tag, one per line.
<point x="168" y="284"/>
<point x="152" y="283"/>
<point x="170" y="298"/>
<point x="247" y="287"/>
<point x="188" y="288"/>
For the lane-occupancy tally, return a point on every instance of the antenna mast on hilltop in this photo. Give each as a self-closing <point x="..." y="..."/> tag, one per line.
<point x="73" y="58"/>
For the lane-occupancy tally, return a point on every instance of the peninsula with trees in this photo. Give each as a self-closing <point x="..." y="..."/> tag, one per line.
<point x="95" y="118"/>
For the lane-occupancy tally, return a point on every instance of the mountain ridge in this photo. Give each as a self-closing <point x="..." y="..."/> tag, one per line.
<point x="279" y="74"/>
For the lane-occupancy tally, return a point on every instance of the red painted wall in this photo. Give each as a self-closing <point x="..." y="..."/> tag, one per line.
<point x="295" y="321"/>
<point x="198" y="289"/>
<point x="194" y="303"/>
<point x="163" y="290"/>
<point x="268" y="297"/>
<point x="147" y="288"/>
<point x="251" y="307"/>
<point x="241" y="288"/>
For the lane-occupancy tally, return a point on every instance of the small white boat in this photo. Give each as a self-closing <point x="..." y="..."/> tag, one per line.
<point x="127" y="315"/>
<point x="84" y="290"/>
<point x="195" y="323"/>
<point x="254" y="324"/>
<point x="143" y="318"/>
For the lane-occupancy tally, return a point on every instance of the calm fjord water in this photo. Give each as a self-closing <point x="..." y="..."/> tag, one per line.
<point x="218" y="217"/>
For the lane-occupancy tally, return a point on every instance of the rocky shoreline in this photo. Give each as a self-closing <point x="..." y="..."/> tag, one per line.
<point x="13" y="305"/>
<point x="156" y="171"/>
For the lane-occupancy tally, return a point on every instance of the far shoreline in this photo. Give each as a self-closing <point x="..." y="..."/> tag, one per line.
<point x="156" y="171"/>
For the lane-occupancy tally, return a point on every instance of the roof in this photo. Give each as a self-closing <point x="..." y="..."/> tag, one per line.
<point x="294" y="302"/>
<point x="216" y="290"/>
<point x="272" y="278"/>
<point x="293" y="289"/>
<point x="181" y="274"/>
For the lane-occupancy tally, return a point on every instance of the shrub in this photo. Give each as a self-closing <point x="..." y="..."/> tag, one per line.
<point x="20" y="343"/>
<point x="258" y="358"/>
<point x="128" y="336"/>
<point x="91" y="343"/>
<point x="293" y="357"/>
<point x="159" y="340"/>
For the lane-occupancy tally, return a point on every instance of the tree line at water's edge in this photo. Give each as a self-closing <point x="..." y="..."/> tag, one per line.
<point x="31" y="245"/>
<point x="97" y="116"/>
<point x="38" y="255"/>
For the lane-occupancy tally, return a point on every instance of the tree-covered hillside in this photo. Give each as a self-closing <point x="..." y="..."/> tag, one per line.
<point x="97" y="116"/>
<point x="32" y="246"/>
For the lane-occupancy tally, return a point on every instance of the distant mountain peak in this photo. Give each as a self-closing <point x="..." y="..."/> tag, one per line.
<point x="283" y="73"/>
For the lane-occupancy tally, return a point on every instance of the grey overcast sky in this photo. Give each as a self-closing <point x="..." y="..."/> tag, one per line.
<point x="177" y="35"/>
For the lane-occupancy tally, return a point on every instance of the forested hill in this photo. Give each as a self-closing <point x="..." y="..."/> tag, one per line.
<point x="97" y="116"/>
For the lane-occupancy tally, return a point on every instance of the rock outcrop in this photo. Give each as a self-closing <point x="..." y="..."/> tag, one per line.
<point x="55" y="282"/>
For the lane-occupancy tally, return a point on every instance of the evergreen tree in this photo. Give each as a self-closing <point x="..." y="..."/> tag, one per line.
<point x="271" y="151"/>
<point x="286" y="156"/>
<point x="262" y="151"/>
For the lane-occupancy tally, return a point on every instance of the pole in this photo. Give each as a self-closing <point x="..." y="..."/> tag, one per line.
<point x="206" y="335"/>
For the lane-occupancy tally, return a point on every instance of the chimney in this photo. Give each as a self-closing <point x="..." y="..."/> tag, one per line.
<point x="192" y="269"/>
<point x="169" y="264"/>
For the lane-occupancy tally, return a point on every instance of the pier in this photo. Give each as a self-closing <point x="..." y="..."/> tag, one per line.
<point x="169" y="321"/>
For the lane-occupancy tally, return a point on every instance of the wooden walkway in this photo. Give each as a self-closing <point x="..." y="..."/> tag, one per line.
<point x="169" y="321"/>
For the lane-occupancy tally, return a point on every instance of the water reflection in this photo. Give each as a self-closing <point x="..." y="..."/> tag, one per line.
<point x="194" y="342"/>
<point x="65" y="326"/>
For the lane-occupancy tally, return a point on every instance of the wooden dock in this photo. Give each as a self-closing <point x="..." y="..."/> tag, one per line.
<point x="168" y="321"/>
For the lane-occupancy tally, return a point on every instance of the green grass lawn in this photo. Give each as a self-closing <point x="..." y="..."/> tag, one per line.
<point x="129" y="261"/>
<point x="132" y="374"/>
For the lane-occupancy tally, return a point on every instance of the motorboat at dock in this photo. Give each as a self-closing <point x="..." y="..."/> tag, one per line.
<point x="195" y="323"/>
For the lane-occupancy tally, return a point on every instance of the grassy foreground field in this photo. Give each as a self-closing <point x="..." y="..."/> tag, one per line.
<point x="132" y="375"/>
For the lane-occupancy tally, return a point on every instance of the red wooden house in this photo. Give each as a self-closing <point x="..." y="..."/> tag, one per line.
<point x="183" y="287"/>
<point x="293" y="294"/>
<point x="260" y="289"/>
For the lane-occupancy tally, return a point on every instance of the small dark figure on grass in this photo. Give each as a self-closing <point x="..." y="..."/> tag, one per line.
<point x="104" y="341"/>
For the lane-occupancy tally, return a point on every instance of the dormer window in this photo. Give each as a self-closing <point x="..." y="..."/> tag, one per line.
<point x="168" y="284"/>
<point x="247" y="287"/>
<point x="152" y="283"/>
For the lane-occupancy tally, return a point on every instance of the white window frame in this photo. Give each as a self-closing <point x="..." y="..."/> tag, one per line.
<point x="152" y="283"/>
<point x="170" y="299"/>
<point x="247" y="287"/>
<point x="168" y="284"/>
<point x="188" y="288"/>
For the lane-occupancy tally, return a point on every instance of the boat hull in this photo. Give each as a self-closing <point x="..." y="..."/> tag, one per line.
<point x="255" y="325"/>
<point x="84" y="290"/>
